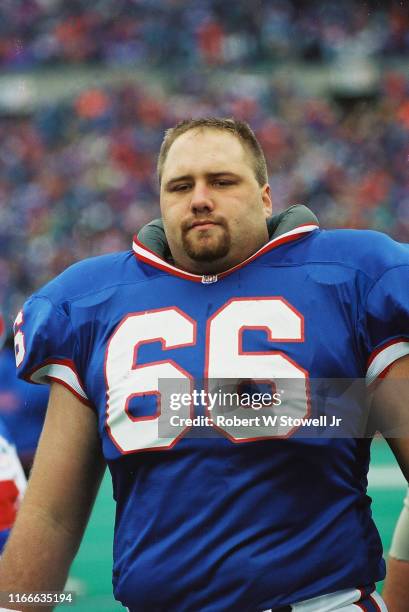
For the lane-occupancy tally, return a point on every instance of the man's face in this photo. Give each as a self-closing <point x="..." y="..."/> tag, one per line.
<point x="213" y="209"/>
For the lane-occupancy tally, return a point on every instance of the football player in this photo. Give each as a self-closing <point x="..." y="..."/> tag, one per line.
<point x="12" y="479"/>
<point x="273" y="520"/>
<point x="22" y="407"/>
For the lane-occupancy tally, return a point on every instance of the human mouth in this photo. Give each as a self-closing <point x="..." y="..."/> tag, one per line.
<point x="202" y="225"/>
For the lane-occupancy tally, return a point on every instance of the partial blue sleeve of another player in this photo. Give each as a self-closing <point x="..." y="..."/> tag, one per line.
<point x="385" y="321"/>
<point x="45" y="345"/>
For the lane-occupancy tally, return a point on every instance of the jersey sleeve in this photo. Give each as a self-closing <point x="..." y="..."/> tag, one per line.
<point x="46" y="347"/>
<point x="386" y="319"/>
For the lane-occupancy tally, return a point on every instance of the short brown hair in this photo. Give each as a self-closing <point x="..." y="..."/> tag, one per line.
<point x="240" y="129"/>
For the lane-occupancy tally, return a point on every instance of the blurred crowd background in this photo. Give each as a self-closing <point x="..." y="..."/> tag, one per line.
<point x="40" y="32"/>
<point x="325" y="86"/>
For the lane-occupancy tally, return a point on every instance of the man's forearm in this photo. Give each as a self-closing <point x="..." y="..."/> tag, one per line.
<point x="396" y="590"/>
<point x="58" y="501"/>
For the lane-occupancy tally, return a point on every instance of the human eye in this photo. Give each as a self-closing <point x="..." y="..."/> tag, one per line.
<point x="223" y="182"/>
<point x="180" y="187"/>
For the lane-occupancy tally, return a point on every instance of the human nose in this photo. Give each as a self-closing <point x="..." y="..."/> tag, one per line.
<point x="201" y="199"/>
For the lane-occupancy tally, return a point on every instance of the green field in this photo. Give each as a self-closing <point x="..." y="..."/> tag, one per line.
<point x="91" y="571"/>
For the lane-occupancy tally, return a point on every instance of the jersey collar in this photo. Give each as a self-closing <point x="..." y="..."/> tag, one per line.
<point x="142" y="253"/>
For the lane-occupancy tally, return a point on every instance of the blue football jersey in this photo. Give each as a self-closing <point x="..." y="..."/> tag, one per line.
<point x="224" y="522"/>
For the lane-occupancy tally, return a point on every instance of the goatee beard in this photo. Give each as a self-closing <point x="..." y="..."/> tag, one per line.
<point x="219" y="247"/>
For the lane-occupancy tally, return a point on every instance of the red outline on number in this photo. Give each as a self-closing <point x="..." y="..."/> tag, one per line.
<point x="265" y="328"/>
<point x="143" y="418"/>
<point x="135" y="366"/>
<point x="17" y="330"/>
